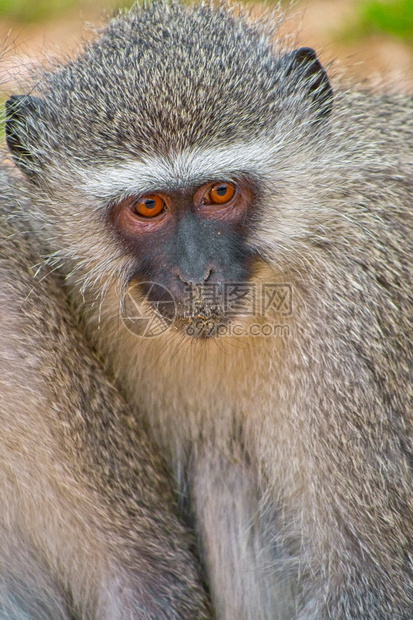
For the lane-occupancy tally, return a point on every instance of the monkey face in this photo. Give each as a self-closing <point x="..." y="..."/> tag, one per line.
<point x="192" y="243"/>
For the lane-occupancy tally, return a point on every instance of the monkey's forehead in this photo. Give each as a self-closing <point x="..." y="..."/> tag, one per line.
<point x="169" y="75"/>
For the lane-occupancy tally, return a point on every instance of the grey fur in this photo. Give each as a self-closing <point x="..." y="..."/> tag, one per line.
<point x="295" y="454"/>
<point x="88" y="525"/>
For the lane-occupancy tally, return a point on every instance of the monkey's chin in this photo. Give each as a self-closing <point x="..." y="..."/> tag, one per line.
<point x="202" y="328"/>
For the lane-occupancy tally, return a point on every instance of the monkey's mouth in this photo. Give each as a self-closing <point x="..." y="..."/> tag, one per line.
<point x="149" y="310"/>
<point x="198" y="319"/>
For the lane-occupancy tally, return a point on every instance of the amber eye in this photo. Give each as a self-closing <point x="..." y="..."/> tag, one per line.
<point x="149" y="206"/>
<point x="221" y="193"/>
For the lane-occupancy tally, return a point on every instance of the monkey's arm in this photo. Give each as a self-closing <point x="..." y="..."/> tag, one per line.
<point x="357" y="435"/>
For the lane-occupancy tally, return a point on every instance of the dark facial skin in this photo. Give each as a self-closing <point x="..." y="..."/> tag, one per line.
<point x="189" y="240"/>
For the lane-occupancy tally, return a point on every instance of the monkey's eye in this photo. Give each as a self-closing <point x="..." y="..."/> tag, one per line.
<point x="149" y="206"/>
<point x="221" y="193"/>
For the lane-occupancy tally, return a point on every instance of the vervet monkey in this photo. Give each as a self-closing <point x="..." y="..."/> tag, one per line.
<point x="88" y="525"/>
<point x="184" y="156"/>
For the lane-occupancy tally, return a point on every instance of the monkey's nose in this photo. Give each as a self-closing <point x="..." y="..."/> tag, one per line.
<point x="193" y="279"/>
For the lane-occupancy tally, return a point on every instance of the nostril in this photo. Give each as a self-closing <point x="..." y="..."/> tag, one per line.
<point x="193" y="279"/>
<point x="185" y="279"/>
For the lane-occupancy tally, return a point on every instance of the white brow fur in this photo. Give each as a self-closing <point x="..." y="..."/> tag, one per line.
<point x="188" y="167"/>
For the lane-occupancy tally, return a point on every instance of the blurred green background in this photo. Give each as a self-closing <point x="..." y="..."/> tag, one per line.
<point x="394" y="17"/>
<point x="32" y="11"/>
<point x="29" y="11"/>
<point x="365" y="39"/>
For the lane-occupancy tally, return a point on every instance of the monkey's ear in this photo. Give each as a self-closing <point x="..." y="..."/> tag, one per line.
<point x="306" y="71"/>
<point x="22" y="123"/>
